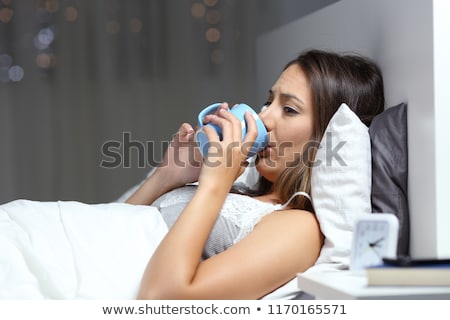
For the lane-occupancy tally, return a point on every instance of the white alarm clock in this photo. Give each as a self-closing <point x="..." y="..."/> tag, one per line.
<point x="375" y="237"/>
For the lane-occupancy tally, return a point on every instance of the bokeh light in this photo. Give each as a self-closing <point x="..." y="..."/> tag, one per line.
<point x="198" y="10"/>
<point x="6" y="15"/>
<point x="210" y="3"/>
<point x="16" y="73"/>
<point x="45" y="60"/>
<point x="8" y="72"/>
<point x="71" y="14"/>
<point x="213" y="35"/>
<point x="51" y="5"/>
<point x="44" y="38"/>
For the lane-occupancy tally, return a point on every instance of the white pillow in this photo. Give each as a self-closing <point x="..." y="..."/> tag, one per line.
<point x="341" y="184"/>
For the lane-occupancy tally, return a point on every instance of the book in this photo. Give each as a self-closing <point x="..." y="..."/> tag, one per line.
<point x="413" y="273"/>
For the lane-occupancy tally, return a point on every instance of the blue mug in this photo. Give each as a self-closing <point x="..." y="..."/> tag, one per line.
<point x="239" y="111"/>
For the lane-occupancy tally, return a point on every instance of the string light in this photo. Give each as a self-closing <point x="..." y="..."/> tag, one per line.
<point x="6" y="14"/>
<point x="51" y="5"/>
<point x="71" y="14"/>
<point x="44" y="38"/>
<point x="9" y="72"/>
<point x="210" y="3"/>
<point x="16" y="73"/>
<point x="198" y="10"/>
<point x="45" y="60"/>
<point x="213" y="35"/>
<point x="209" y="13"/>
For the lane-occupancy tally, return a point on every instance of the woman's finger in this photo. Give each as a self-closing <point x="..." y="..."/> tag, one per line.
<point x="210" y="132"/>
<point x="185" y="129"/>
<point x="235" y="125"/>
<point x="252" y="133"/>
<point x="252" y="128"/>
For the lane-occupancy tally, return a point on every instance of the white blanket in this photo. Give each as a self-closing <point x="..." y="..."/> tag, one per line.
<point x="71" y="250"/>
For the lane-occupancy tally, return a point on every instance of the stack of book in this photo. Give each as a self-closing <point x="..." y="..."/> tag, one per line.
<point x="409" y="272"/>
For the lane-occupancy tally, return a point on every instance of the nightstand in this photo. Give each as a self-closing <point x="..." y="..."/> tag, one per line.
<point x="344" y="285"/>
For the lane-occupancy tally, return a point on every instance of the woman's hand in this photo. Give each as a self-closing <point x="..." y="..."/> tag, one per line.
<point x="226" y="159"/>
<point x="182" y="164"/>
<point x="182" y="160"/>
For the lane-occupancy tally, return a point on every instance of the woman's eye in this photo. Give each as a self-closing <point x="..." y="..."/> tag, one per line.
<point x="289" y="110"/>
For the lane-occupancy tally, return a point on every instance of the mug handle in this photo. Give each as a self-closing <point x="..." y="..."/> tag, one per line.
<point x="208" y="110"/>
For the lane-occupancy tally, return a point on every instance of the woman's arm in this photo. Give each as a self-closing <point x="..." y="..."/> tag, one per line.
<point x="174" y="265"/>
<point x="152" y="188"/>
<point x="281" y="245"/>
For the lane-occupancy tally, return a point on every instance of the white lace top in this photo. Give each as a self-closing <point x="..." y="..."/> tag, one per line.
<point x="238" y="217"/>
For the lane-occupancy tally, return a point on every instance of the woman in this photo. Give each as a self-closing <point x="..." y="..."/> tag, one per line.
<point x="270" y="242"/>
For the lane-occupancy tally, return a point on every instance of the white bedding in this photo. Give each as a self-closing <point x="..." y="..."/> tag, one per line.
<point x="72" y="250"/>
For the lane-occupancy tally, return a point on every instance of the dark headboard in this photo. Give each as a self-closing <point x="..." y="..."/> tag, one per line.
<point x="389" y="142"/>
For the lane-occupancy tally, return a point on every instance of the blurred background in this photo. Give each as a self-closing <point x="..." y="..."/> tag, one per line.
<point x="78" y="78"/>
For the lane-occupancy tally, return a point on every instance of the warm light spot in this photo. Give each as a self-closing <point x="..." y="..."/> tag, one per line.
<point x="71" y="14"/>
<point x="45" y="60"/>
<point x="51" y="5"/>
<point x="213" y="35"/>
<point x="198" y="10"/>
<point x="135" y="25"/>
<point x="210" y="3"/>
<point x="6" y="14"/>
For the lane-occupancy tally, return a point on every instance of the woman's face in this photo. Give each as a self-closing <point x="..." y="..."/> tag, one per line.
<point x="288" y="118"/>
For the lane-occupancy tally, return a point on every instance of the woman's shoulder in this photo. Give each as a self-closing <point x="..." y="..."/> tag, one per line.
<point x="291" y="218"/>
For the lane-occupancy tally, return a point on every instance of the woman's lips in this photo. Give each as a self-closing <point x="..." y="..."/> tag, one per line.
<point x="267" y="150"/>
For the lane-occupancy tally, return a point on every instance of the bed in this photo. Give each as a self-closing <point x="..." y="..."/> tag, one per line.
<point x="74" y="250"/>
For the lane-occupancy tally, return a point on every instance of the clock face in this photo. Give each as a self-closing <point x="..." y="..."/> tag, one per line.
<point x="374" y="239"/>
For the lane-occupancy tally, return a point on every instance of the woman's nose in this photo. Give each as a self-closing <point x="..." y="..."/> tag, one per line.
<point x="266" y="117"/>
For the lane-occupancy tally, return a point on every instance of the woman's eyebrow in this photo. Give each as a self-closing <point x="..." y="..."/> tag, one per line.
<point x="288" y="96"/>
<point x="292" y="96"/>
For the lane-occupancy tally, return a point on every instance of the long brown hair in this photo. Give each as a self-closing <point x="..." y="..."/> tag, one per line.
<point x="334" y="79"/>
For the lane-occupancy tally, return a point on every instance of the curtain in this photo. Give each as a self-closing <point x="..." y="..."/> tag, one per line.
<point x="78" y="78"/>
